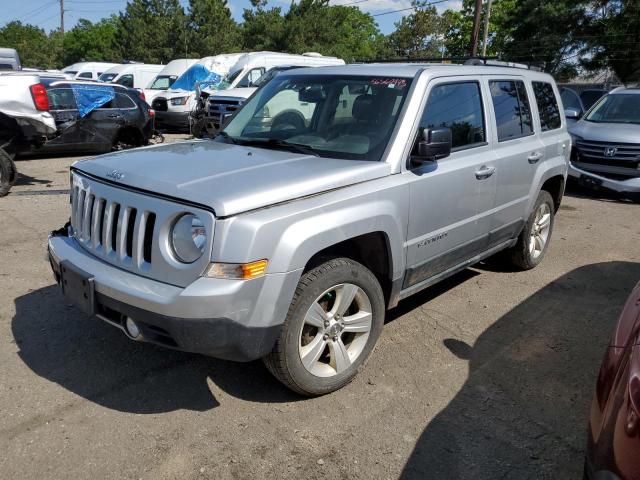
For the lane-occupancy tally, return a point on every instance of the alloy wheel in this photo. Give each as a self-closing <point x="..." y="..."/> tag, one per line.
<point x="335" y="330"/>
<point x="540" y="230"/>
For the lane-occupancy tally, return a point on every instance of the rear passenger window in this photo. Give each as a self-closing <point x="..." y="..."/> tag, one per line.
<point x="457" y="106"/>
<point x="547" y="106"/>
<point x="85" y="75"/>
<point x="511" y="105"/>
<point x="61" y="99"/>
<point x="123" y="101"/>
<point x="126" y="81"/>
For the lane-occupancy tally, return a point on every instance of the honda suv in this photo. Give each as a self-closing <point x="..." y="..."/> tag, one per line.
<point x="289" y="240"/>
<point x="606" y="153"/>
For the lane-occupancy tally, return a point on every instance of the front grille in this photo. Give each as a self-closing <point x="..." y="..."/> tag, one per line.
<point x="130" y="229"/>
<point x="112" y="229"/>
<point x="220" y="110"/>
<point x="611" y="160"/>
<point x="159" y="104"/>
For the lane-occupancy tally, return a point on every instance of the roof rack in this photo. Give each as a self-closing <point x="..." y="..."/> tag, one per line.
<point x="488" y="61"/>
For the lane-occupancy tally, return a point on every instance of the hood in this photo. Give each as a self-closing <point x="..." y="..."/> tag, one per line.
<point x="150" y="94"/>
<point x="169" y="94"/>
<point x="606" y="132"/>
<point x="231" y="179"/>
<point x="242" y="93"/>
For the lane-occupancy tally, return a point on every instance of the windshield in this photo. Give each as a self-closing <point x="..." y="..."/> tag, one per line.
<point x="618" y="108"/>
<point x="163" y="82"/>
<point x="107" y="77"/>
<point x="348" y="117"/>
<point x="228" y="80"/>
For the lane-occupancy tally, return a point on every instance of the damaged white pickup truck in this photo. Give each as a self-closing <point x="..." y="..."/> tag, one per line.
<point x="24" y="120"/>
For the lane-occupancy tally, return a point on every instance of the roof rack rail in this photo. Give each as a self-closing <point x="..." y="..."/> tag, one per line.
<point x="488" y="61"/>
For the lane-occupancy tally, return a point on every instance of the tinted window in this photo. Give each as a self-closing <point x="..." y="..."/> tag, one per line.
<point x="457" y="106"/>
<point x="547" y="106"/>
<point x="85" y="75"/>
<point x="61" y="99"/>
<point x="125" y="80"/>
<point x="123" y="101"/>
<point x="511" y="105"/>
<point x="570" y="99"/>
<point x="589" y="97"/>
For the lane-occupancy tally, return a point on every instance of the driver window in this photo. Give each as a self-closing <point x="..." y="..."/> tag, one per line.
<point x="457" y="106"/>
<point x="251" y="76"/>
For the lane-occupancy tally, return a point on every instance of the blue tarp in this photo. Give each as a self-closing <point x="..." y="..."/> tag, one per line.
<point x="196" y="73"/>
<point x="90" y="97"/>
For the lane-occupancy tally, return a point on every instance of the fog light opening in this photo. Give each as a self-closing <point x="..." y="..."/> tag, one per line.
<point x="132" y="329"/>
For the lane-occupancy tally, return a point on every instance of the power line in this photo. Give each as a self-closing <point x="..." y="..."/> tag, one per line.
<point x="410" y="8"/>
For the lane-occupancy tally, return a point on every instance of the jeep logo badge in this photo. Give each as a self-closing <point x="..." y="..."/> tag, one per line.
<point x="610" y="151"/>
<point x="115" y="174"/>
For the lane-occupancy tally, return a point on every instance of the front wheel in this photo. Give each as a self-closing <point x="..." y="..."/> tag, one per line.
<point x="535" y="236"/>
<point x="332" y="326"/>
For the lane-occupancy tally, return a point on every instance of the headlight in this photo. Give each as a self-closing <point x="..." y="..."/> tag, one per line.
<point x="188" y="238"/>
<point x="179" y="100"/>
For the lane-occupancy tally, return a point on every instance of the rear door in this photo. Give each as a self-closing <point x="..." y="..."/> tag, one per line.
<point x="106" y="122"/>
<point x="452" y="198"/>
<point x="63" y="108"/>
<point x="519" y="150"/>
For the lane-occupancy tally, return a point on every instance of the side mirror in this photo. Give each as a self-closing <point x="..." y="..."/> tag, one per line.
<point x="434" y="145"/>
<point x="572" y="113"/>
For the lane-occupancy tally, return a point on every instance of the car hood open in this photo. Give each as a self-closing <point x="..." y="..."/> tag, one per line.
<point x="606" y="132"/>
<point x="231" y="179"/>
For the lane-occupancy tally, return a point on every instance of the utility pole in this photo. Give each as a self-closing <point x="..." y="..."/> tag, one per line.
<point x="476" y="29"/>
<point x="62" y="17"/>
<point x="486" y="29"/>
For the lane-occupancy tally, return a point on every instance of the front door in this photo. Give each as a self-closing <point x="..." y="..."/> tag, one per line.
<point x="452" y="198"/>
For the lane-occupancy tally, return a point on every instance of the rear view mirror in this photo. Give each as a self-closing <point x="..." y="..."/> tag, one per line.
<point x="355" y="89"/>
<point x="433" y="144"/>
<point x="311" y="94"/>
<point x="572" y="113"/>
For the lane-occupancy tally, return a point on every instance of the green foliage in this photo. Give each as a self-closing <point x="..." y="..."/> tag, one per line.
<point x="34" y="46"/>
<point x="419" y="35"/>
<point x="212" y="30"/>
<point x="612" y="39"/>
<point x="262" y="29"/>
<point x="89" y="41"/>
<point x="152" y="31"/>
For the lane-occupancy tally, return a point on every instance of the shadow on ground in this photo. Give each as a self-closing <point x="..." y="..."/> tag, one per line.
<point x="98" y="362"/>
<point x="27" y="180"/>
<point x="574" y="189"/>
<point x="523" y="410"/>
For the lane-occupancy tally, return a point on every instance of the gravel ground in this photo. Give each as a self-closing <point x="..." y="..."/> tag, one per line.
<point x="488" y="375"/>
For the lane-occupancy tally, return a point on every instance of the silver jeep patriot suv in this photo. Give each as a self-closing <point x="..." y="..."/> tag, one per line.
<point x="288" y="237"/>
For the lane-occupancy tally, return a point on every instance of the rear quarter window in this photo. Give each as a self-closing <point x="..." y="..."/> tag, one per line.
<point x="547" y="106"/>
<point x="61" y="99"/>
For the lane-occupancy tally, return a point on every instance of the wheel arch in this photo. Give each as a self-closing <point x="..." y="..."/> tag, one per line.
<point x="555" y="186"/>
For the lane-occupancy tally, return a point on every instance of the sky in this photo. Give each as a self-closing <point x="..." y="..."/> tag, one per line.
<point x="46" y="13"/>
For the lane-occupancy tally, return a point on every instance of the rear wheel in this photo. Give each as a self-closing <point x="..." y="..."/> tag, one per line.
<point x="535" y="236"/>
<point x="7" y="172"/>
<point x="332" y="326"/>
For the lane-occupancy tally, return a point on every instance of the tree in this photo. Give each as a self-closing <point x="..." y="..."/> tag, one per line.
<point x="212" y="30"/>
<point x="612" y="39"/>
<point x="346" y="32"/>
<point x="459" y="24"/>
<point x="152" y="31"/>
<point x="89" y="41"/>
<point x="545" y="31"/>
<point x="420" y="34"/>
<point x="34" y="46"/>
<point x="263" y="29"/>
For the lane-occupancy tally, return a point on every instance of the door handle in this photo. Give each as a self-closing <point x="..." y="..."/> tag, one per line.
<point x="485" y="172"/>
<point x="114" y="115"/>
<point x="534" y="157"/>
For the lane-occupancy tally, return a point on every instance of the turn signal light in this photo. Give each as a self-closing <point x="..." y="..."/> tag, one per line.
<point x="237" y="271"/>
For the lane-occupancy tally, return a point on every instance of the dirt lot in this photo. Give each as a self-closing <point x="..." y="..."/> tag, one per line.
<point x="489" y="375"/>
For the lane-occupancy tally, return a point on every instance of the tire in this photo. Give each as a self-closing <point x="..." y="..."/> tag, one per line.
<point x="7" y="173"/>
<point x="525" y="255"/>
<point x="335" y="346"/>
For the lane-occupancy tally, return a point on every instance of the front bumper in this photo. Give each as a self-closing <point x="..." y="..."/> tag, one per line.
<point x="628" y="186"/>
<point x="230" y="319"/>
<point x="176" y="120"/>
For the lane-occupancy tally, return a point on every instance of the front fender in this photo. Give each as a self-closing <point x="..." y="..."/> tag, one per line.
<point x="289" y="235"/>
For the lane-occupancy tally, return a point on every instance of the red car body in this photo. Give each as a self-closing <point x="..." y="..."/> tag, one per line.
<point x="613" y="449"/>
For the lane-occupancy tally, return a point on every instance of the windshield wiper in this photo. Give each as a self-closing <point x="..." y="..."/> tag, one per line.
<point x="276" y="142"/>
<point x="226" y="136"/>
